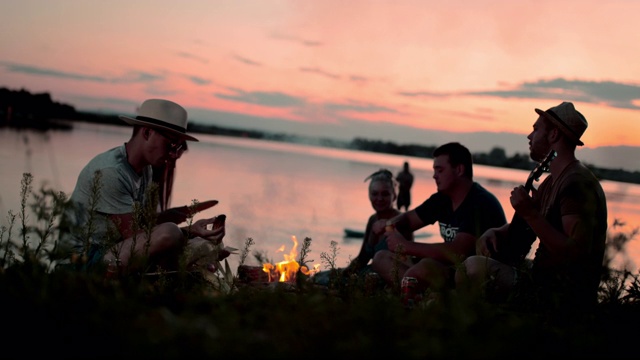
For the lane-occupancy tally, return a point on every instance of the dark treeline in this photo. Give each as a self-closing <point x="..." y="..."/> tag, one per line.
<point x="496" y="157"/>
<point x="22" y="109"/>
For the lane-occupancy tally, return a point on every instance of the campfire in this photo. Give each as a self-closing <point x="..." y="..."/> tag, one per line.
<point x="286" y="270"/>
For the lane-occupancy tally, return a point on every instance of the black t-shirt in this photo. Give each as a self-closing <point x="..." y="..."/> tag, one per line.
<point x="479" y="211"/>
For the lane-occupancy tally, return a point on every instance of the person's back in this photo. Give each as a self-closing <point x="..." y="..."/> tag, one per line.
<point x="405" y="182"/>
<point x="87" y="216"/>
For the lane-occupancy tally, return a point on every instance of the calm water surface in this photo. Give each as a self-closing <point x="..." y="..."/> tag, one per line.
<point x="270" y="191"/>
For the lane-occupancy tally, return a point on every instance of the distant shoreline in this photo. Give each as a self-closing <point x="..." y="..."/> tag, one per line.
<point x="23" y="110"/>
<point x="495" y="158"/>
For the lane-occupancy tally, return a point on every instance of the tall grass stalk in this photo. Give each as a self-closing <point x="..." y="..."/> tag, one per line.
<point x="329" y="258"/>
<point x="8" y="255"/>
<point x="245" y="250"/>
<point x="25" y="191"/>
<point x="48" y="206"/>
<point x="305" y="250"/>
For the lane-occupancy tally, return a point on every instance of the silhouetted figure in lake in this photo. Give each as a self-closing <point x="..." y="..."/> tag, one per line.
<point x="405" y="182"/>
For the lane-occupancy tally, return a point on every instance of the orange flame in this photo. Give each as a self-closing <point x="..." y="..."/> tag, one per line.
<point x="285" y="271"/>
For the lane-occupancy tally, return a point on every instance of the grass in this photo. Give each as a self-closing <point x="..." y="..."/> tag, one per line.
<point x="59" y="312"/>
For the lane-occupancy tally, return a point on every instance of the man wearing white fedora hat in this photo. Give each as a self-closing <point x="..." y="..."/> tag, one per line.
<point x="103" y="227"/>
<point x="567" y="214"/>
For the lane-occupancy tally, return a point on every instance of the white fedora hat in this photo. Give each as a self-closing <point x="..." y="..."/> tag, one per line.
<point x="164" y="115"/>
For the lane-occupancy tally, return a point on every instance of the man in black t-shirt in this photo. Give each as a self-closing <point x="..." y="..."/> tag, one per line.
<point x="463" y="209"/>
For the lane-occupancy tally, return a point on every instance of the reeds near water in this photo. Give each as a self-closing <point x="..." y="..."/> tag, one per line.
<point x="52" y="310"/>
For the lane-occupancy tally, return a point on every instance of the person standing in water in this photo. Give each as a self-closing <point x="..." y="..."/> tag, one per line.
<point x="405" y="182"/>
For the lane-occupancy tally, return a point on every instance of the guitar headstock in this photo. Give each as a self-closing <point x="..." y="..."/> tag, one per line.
<point x="542" y="167"/>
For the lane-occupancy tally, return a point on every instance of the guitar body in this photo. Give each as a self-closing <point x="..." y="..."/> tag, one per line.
<point x="520" y="236"/>
<point x="519" y="240"/>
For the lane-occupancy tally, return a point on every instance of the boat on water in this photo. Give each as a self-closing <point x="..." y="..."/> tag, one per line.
<point x="351" y="233"/>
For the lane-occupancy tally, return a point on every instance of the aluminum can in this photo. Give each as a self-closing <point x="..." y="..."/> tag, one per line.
<point x="408" y="291"/>
<point x="113" y="270"/>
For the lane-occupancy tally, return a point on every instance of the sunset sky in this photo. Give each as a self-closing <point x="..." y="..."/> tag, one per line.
<point x="375" y="69"/>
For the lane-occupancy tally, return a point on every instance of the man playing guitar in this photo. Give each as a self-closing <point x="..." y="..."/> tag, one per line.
<point x="568" y="215"/>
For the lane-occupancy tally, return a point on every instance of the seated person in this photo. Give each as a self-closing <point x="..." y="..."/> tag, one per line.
<point x="382" y="196"/>
<point x="463" y="209"/>
<point x="567" y="214"/>
<point x="101" y="227"/>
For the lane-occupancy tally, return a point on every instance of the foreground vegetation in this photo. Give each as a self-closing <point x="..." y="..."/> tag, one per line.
<point x="54" y="311"/>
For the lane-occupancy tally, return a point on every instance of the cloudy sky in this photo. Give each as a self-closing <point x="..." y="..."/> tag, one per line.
<point x="347" y="68"/>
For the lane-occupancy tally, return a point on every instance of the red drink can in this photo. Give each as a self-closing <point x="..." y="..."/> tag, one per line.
<point x="113" y="270"/>
<point x="408" y="291"/>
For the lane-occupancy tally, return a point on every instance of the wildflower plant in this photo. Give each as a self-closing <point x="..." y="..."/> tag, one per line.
<point x="329" y="258"/>
<point x="619" y="284"/>
<point x="245" y="250"/>
<point x="8" y="253"/>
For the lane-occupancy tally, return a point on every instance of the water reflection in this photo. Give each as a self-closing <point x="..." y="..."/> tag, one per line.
<point x="270" y="191"/>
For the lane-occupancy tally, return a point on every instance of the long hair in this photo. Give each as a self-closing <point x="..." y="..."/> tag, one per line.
<point x="164" y="177"/>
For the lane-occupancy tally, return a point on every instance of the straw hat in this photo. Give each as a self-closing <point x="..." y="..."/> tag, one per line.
<point x="164" y="115"/>
<point x="568" y="119"/>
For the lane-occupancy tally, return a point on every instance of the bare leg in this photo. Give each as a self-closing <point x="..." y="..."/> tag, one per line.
<point x="388" y="267"/>
<point x="163" y="248"/>
<point x="484" y="274"/>
<point x="430" y="274"/>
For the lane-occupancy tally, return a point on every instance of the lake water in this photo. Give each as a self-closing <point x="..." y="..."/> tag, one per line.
<point x="270" y="191"/>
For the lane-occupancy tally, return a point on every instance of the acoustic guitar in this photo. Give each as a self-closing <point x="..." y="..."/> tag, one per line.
<point x="520" y="237"/>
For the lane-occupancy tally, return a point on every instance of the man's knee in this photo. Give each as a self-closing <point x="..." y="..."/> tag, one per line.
<point x="471" y="272"/>
<point x="481" y="271"/>
<point x="473" y="267"/>
<point x="431" y="273"/>
<point x="169" y="234"/>
<point x="381" y="257"/>
<point x="383" y="263"/>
